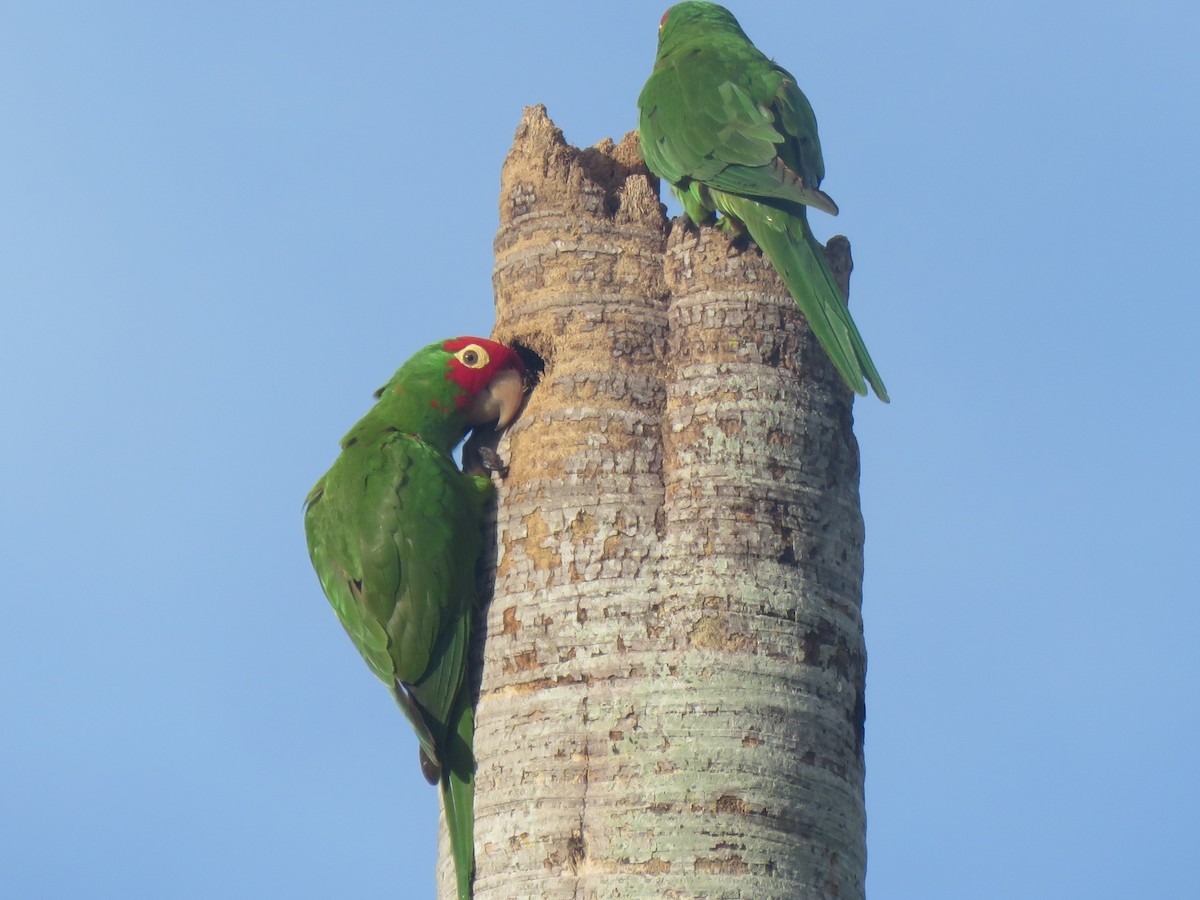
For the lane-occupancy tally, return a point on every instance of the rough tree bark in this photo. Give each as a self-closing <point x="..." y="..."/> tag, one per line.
<point x="671" y="701"/>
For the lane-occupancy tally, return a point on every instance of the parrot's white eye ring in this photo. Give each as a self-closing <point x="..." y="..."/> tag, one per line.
<point x="473" y="356"/>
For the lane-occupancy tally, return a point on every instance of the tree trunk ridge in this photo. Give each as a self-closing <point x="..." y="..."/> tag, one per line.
<point x="671" y="698"/>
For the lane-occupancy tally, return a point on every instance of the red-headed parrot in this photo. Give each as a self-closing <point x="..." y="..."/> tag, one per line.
<point x="394" y="531"/>
<point x="731" y="132"/>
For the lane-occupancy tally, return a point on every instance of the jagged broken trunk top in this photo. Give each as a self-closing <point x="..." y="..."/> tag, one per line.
<point x="672" y="689"/>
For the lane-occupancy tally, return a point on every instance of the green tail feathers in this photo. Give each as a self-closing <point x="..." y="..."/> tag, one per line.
<point x="458" y="795"/>
<point x="799" y="259"/>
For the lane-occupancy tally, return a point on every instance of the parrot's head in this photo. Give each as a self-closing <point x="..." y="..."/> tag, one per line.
<point x="445" y="390"/>
<point x="685" y="23"/>
<point x="490" y="378"/>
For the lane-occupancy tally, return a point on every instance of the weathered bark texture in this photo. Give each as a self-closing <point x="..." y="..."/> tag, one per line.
<point x="672" y="689"/>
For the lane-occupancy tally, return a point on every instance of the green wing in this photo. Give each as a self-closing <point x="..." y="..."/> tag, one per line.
<point x="394" y="532"/>
<point x="728" y="118"/>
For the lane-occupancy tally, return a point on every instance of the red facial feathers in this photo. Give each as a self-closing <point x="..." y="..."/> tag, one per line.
<point x="476" y="361"/>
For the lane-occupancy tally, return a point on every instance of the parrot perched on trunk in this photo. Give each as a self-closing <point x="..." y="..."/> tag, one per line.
<point x="394" y="531"/>
<point x="731" y="132"/>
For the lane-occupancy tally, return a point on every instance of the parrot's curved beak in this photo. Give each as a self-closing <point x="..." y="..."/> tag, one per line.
<point x="500" y="401"/>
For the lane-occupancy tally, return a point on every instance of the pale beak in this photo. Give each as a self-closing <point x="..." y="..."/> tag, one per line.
<point x="500" y="401"/>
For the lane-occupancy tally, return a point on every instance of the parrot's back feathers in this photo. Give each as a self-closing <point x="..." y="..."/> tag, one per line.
<point x="394" y="540"/>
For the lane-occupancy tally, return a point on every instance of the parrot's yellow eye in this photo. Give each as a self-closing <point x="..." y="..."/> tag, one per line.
<point x="473" y="356"/>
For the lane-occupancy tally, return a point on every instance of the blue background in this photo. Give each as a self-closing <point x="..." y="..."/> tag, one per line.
<point x="222" y="225"/>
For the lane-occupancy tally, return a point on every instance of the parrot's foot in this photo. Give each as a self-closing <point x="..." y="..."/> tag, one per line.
<point x="430" y="769"/>
<point x="739" y="237"/>
<point x="734" y="229"/>
<point x="416" y="716"/>
<point x="490" y="460"/>
<point x="479" y="456"/>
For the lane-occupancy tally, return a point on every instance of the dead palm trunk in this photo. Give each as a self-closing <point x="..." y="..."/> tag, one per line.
<point x="672" y="690"/>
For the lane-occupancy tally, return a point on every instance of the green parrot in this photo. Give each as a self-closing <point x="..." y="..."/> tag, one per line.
<point x="731" y="132"/>
<point x="394" y="533"/>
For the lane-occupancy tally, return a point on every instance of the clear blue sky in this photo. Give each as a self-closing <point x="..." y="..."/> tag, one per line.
<point x="222" y="225"/>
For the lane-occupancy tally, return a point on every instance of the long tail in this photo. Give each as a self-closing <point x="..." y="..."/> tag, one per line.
<point x="458" y="794"/>
<point x="784" y="236"/>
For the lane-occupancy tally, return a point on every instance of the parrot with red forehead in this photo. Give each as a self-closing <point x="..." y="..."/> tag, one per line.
<point x="732" y="133"/>
<point x="394" y="532"/>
